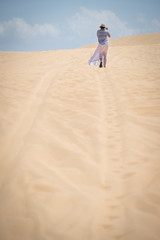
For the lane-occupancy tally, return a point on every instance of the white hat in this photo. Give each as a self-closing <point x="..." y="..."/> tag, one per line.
<point x="102" y="26"/>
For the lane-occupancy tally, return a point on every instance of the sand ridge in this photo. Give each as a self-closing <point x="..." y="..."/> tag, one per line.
<point x="80" y="145"/>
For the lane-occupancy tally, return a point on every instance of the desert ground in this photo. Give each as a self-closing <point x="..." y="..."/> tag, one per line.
<point x="80" y="145"/>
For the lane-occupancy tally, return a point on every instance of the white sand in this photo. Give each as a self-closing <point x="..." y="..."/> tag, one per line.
<point x="80" y="146"/>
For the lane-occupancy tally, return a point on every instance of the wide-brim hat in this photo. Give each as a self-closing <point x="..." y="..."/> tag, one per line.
<point x="102" y="26"/>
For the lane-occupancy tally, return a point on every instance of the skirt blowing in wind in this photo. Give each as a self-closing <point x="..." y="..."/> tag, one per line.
<point x="100" y="54"/>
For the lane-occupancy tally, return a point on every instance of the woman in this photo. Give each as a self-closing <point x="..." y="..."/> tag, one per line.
<point x="100" y="55"/>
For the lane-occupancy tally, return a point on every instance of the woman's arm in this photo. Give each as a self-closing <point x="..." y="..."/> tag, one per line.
<point x="109" y="35"/>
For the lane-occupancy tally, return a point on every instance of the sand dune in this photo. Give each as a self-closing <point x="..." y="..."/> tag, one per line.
<point x="80" y="145"/>
<point x="142" y="39"/>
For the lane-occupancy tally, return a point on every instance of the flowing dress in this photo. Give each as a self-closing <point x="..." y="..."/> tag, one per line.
<point x="101" y="50"/>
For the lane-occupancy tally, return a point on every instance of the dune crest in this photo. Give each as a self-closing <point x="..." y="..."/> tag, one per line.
<point x="142" y="39"/>
<point x="80" y="145"/>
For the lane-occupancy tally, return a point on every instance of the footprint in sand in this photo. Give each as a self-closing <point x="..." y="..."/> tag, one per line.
<point x="127" y="175"/>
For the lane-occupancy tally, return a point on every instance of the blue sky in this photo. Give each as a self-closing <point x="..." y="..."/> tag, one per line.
<point x="40" y="25"/>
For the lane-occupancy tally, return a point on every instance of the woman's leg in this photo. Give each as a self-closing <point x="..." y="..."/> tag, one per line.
<point x="105" y="55"/>
<point x="105" y="60"/>
<point x="100" y="59"/>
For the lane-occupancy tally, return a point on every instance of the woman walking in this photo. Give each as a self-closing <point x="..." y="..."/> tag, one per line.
<point x="100" y="55"/>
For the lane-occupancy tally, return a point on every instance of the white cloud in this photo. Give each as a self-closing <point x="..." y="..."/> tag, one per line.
<point x="87" y="21"/>
<point x="156" y="25"/>
<point x="1" y="29"/>
<point x="147" y="25"/>
<point x="142" y="19"/>
<point x="19" y="27"/>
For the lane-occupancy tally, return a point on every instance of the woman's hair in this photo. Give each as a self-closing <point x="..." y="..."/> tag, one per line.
<point x="102" y="28"/>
